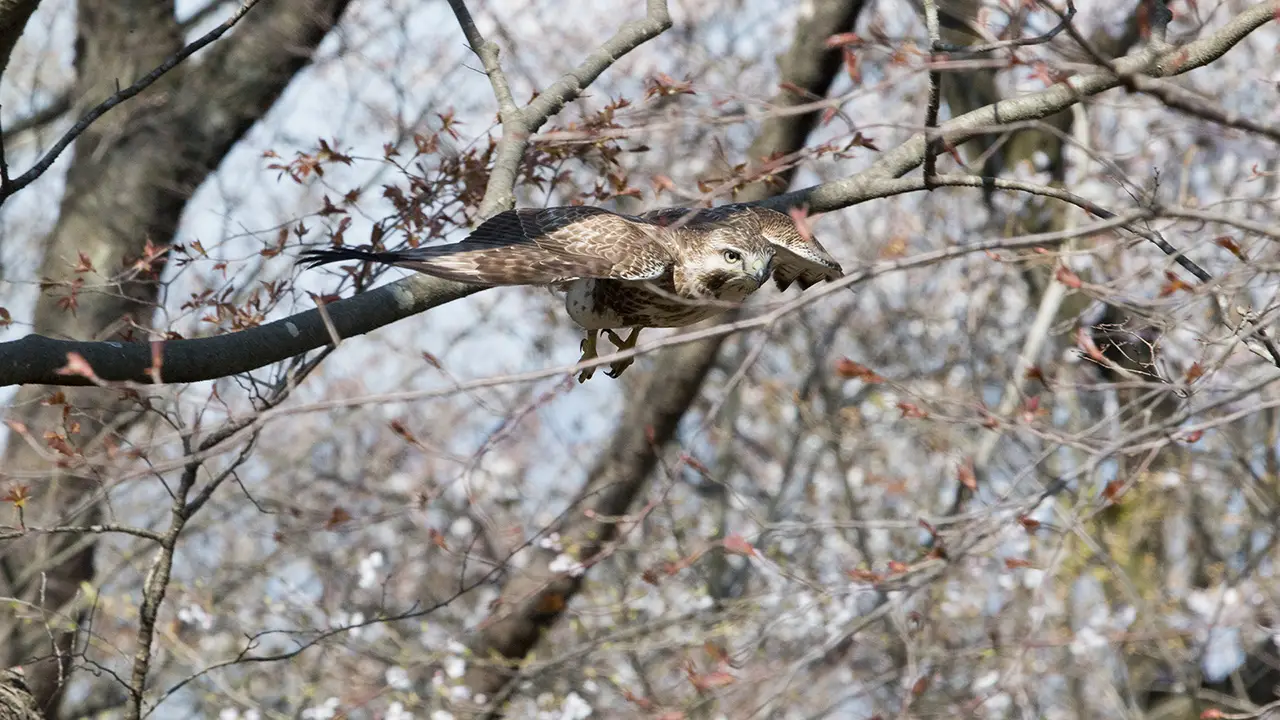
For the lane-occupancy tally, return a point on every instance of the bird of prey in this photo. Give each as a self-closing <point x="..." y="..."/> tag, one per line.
<point x="666" y="268"/>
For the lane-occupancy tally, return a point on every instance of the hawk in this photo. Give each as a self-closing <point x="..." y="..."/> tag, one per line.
<point x="665" y="268"/>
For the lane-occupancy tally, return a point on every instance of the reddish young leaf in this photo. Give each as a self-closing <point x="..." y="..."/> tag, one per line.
<point x="1113" y="490"/>
<point x="1067" y="277"/>
<point x="17" y="495"/>
<point x="1230" y="245"/>
<point x="843" y="39"/>
<point x="847" y="368"/>
<point x="337" y="517"/>
<point x="911" y="411"/>
<point x="77" y="365"/>
<point x="738" y="545"/>
<point x="1085" y="341"/>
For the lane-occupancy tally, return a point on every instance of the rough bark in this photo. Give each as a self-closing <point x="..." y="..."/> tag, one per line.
<point x="16" y="700"/>
<point x="533" y="600"/>
<point x="133" y="172"/>
<point x="14" y="15"/>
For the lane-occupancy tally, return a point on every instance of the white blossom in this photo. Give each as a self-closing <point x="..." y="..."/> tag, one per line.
<point x="396" y="711"/>
<point x="574" y="708"/>
<point x="324" y="711"/>
<point x="368" y="571"/>
<point x="397" y="678"/>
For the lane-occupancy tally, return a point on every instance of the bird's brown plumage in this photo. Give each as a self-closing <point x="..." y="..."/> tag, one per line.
<point x="665" y="268"/>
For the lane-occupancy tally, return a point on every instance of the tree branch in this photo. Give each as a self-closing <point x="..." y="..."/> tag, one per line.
<point x="46" y="161"/>
<point x="55" y="109"/>
<point x="14" y="15"/>
<point x="519" y="125"/>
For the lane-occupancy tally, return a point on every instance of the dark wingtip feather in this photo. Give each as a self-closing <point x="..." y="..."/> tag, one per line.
<point x="315" y="257"/>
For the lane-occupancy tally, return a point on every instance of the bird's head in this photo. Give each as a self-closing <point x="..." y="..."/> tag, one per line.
<point x="731" y="264"/>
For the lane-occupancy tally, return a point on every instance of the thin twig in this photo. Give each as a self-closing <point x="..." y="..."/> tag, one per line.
<point x="4" y="167"/>
<point x="45" y="162"/>
<point x="518" y="125"/>
<point x="931" y="147"/>
<point x="45" y="115"/>
<point x="969" y="51"/>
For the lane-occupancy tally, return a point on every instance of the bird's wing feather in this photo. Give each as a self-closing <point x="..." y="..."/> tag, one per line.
<point x="804" y="265"/>
<point x="798" y="257"/>
<point x="539" y="247"/>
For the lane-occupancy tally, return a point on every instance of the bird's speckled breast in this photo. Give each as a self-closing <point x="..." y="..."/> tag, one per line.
<point x="611" y="304"/>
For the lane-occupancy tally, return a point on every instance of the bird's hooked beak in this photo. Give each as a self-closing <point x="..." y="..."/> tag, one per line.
<point x="761" y="270"/>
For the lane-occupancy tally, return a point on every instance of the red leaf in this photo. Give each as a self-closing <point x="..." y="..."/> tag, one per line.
<point x="1085" y="341"/>
<point x="337" y="517"/>
<point x="911" y="411"/>
<point x="842" y="39"/>
<point x="847" y="368"/>
<point x="1065" y="276"/>
<point x="1195" y="372"/>
<point x="738" y="545"/>
<point x="77" y="365"/>
<point x="1230" y="245"/>
<point x="17" y="495"/>
<point x="800" y="216"/>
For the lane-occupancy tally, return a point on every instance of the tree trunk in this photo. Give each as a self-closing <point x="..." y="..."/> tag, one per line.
<point x="532" y="601"/>
<point x="131" y="177"/>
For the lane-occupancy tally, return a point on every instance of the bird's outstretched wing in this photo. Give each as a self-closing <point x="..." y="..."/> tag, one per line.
<point x="531" y="247"/>
<point x="798" y="258"/>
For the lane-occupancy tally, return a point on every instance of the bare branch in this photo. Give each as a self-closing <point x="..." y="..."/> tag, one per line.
<point x="8" y="187"/>
<point x="45" y="115"/>
<point x="519" y="125"/>
<point x="935" y="93"/>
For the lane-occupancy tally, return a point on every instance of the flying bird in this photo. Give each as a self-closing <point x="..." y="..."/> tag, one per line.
<point x="665" y="268"/>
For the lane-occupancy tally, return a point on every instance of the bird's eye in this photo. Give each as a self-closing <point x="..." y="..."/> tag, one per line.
<point x="732" y="256"/>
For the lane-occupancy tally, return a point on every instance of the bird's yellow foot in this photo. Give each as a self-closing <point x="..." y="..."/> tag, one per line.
<point x="588" y="348"/>
<point x="616" y="368"/>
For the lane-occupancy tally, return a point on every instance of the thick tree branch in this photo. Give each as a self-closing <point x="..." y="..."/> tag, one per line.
<point x="36" y="359"/>
<point x="16" y="700"/>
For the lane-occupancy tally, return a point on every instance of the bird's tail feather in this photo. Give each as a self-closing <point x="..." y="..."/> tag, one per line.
<point x="315" y="257"/>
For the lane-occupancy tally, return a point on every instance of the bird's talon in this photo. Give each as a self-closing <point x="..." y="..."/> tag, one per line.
<point x="617" y="368"/>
